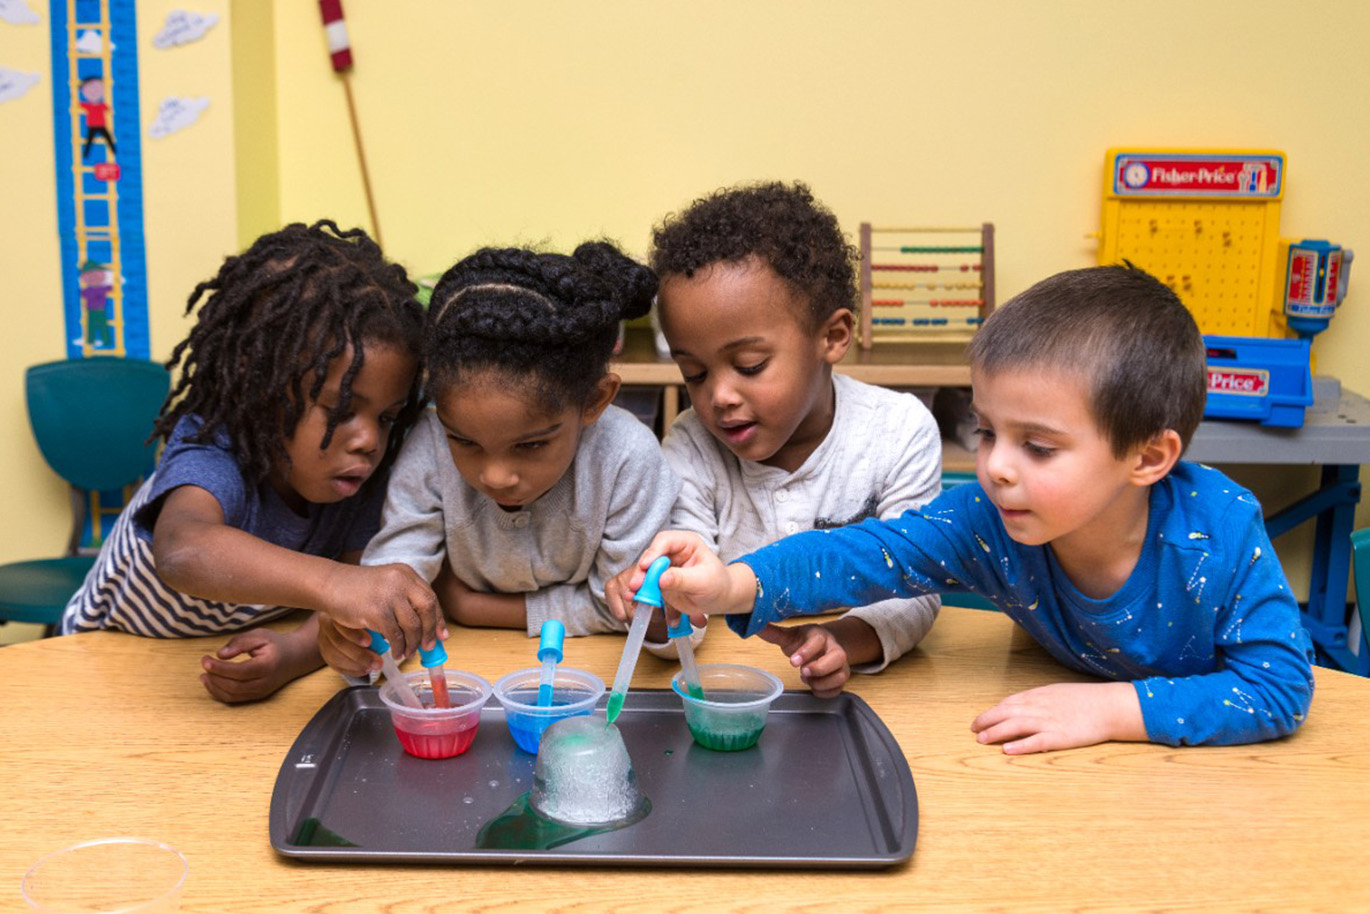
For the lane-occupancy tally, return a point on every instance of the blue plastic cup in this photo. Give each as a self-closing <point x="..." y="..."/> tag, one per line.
<point x="574" y="692"/>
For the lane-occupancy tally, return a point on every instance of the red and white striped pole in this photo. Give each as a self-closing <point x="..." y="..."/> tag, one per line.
<point x="340" y="53"/>
<point x="335" y="31"/>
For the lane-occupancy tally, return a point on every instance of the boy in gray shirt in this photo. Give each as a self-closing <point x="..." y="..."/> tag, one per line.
<point x="756" y="302"/>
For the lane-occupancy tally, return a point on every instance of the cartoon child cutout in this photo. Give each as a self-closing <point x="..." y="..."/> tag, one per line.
<point x="96" y="282"/>
<point x="93" y="103"/>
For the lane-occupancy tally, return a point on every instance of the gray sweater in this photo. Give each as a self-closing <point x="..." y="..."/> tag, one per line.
<point x="882" y="456"/>
<point x="560" y="550"/>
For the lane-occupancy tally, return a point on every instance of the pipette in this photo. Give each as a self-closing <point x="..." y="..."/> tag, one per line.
<point x="549" y="652"/>
<point x="433" y="661"/>
<point x="403" y="691"/>
<point x="647" y="596"/>
<point x="689" y="673"/>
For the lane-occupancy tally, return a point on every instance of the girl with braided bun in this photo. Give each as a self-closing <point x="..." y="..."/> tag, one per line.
<point x="298" y="380"/>
<point x="523" y="490"/>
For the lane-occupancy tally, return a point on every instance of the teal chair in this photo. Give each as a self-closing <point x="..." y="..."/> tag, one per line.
<point x="1360" y="550"/>
<point x="91" y="419"/>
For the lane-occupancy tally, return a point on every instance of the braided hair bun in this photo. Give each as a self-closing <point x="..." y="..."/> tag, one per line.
<point x="548" y="321"/>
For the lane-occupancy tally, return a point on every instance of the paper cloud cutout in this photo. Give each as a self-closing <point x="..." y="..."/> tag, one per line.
<point x="175" y="114"/>
<point x="17" y="12"/>
<point x="183" y="27"/>
<point x="14" y="84"/>
<point x="90" y="42"/>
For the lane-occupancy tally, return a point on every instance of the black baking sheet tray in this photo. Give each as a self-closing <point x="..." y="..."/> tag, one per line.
<point x="826" y="787"/>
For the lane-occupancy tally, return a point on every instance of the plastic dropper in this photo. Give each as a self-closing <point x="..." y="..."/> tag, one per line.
<point x="433" y="661"/>
<point x="403" y="690"/>
<point x="647" y="596"/>
<point x="689" y="673"/>
<point x="549" y="652"/>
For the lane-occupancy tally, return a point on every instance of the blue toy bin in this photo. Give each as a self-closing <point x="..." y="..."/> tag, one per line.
<point x="1262" y="380"/>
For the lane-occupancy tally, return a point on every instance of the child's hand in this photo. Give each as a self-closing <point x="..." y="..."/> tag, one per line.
<point x="697" y="583"/>
<point x="1063" y="716"/>
<point x="821" y="659"/>
<point x="391" y="599"/>
<point x="347" y="650"/>
<point x="618" y="592"/>
<point x="273" y="659"/>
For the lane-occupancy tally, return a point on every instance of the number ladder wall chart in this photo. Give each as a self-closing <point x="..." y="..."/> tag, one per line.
<point x="96" y="138"/>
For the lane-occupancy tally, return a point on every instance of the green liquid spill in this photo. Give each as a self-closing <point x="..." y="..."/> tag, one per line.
<point x="313" y="834"/>
<point x="520" y="828"/>
<point x="615" y="705"/>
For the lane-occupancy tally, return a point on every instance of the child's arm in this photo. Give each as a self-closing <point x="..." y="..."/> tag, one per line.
<point x="697" y="583"/>
<point x="818" y="653"/>
<point x="197" y="553"/>
<point x="272" y="660"/>
<point x="473" y="608"/>
<point x="1064" y="715"/>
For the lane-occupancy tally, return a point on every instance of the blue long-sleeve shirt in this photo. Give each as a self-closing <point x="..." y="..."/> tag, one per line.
<point x="1205" y="627"/>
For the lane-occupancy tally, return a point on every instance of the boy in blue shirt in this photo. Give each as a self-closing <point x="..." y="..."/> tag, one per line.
<point x="1085" y="528"/>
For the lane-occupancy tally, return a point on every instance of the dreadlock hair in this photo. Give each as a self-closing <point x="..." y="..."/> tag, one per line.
<point x="277" y="313"/>
<point x="547" y="321"/>
<point x="782" y="225"/>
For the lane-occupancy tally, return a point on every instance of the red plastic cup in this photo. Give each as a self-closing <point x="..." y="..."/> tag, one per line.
<point x="431" y="732"/>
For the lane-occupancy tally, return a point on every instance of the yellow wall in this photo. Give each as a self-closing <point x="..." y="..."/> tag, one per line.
<point x="549" y="121"/>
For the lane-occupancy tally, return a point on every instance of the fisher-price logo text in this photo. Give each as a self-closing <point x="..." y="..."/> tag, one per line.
<point x="1242" y="382"/>
<point x="1235" y="177"/>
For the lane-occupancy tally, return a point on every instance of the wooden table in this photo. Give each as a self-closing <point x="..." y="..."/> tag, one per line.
<point x="106" y="734"/>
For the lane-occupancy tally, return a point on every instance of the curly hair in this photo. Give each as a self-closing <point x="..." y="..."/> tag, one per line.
<point x="548" y="321"/>
<point x="277" y="313"/>
<point x="781" y="224"/>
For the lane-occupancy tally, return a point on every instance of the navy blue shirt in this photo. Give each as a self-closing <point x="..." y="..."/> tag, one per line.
<point x="1205" y="627"/>
<point x="123" y="590"/>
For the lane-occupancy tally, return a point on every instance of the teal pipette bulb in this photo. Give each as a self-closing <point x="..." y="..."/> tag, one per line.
<point x="432" y="661"/>
<point x="647" y="596"/>
<point x="403" y="691"/>
<point x="689" y="673"/>
<point x="549" y="652"/>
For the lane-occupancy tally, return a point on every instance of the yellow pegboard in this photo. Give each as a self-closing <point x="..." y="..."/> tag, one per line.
<point x="1206" y="222"/>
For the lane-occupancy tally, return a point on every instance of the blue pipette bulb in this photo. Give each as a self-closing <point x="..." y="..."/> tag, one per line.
<point x="650" y="591"/>
<point x="553" y="633"/>
<point x="549" y="652"/>
<point x="431" y="658"/>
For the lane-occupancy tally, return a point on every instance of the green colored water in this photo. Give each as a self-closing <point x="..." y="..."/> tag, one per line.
<point x="520" y="828"/>
<point x="615" y="705"/>
<point x="312" y="833"/>
<point x="725" y="742"/>
<point x="725" y="731"/>
<point x="695" y="691"/>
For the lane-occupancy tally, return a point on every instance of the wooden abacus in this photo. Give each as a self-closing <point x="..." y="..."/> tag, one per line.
<point x="902" y="302"/>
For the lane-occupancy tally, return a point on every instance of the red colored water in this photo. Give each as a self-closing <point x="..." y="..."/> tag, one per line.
<point x="439" y="681"/>
<point x="437" y="738"/>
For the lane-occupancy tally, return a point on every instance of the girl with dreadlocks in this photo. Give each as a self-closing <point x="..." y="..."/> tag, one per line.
<point x="300" y="374"/>
<point x="524" y="477"/>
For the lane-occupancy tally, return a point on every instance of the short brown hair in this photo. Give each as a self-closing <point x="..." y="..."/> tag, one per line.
<point x="1126" y="332"/>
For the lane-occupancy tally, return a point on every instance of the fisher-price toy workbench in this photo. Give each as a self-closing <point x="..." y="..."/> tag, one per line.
<point x="1206" y="223"/>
